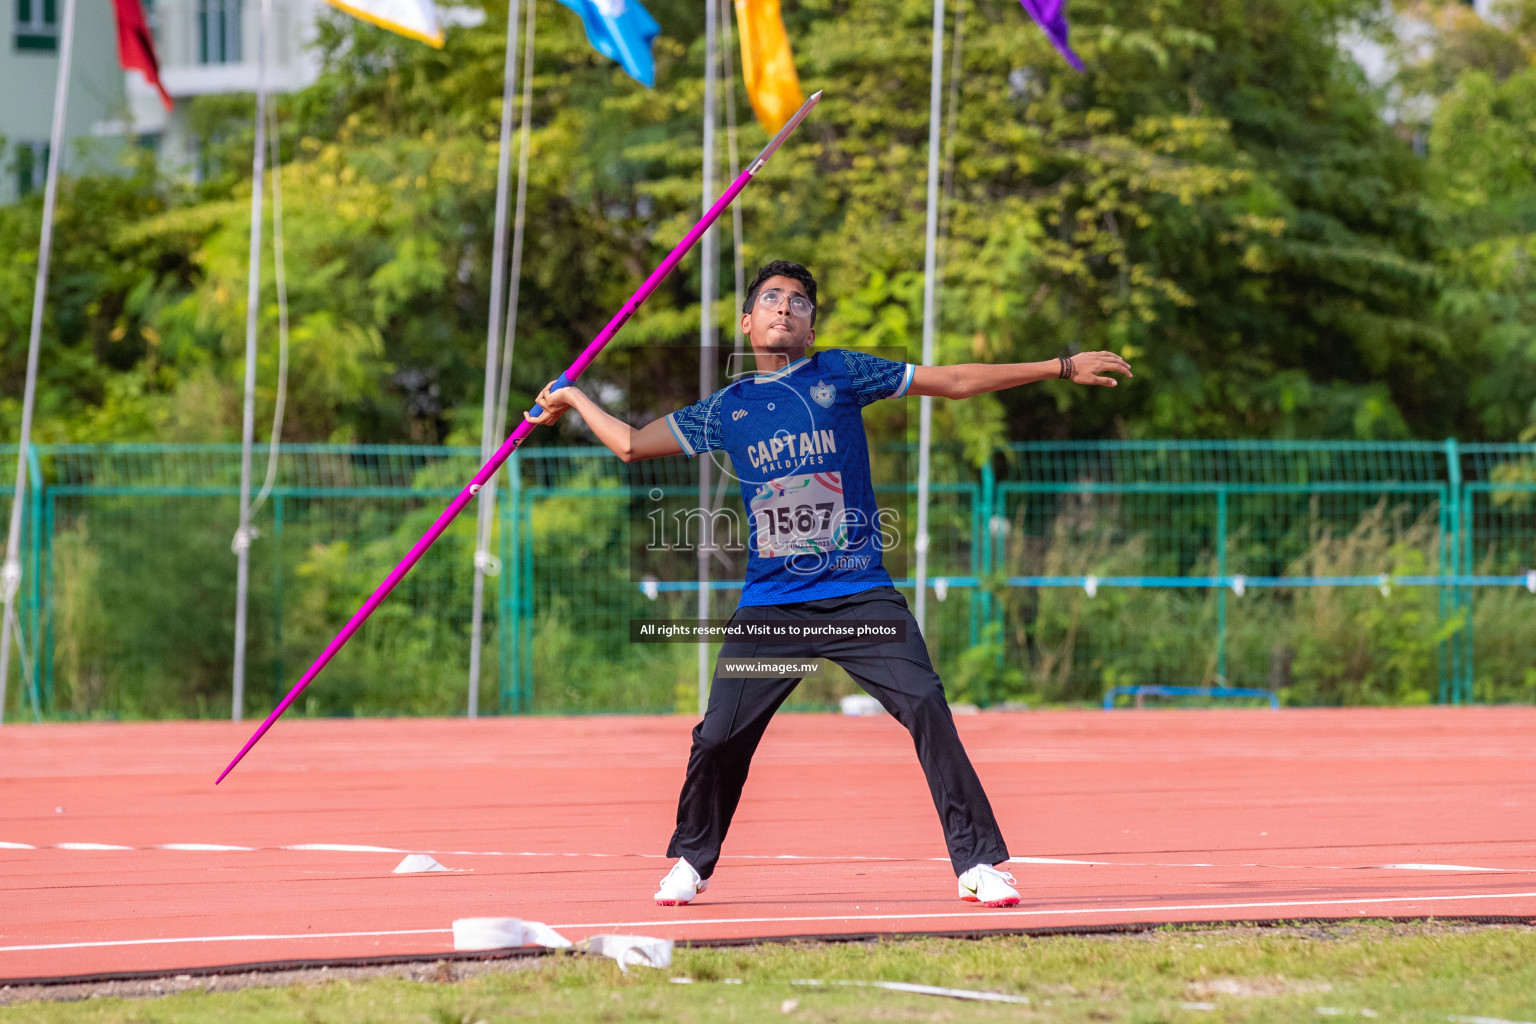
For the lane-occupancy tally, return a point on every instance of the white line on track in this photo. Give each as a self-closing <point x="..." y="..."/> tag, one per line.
<point x="1432" y="867"/>
<point x="829" y="858"/>
<point x="1057" y="911"/>
<point x="221" y="938"/>
<point x="970" y="916"/>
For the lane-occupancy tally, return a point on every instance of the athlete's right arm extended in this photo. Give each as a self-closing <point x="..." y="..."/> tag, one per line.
<point x="651" y="441"/>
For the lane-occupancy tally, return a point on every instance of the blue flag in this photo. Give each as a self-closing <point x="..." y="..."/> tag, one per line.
<point x="621" y="30"/>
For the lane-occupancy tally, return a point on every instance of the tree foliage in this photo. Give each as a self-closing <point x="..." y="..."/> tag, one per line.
<point x="1220" y="197"/>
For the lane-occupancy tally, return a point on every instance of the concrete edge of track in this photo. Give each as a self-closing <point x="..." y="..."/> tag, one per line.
<point x="528" y="952"/>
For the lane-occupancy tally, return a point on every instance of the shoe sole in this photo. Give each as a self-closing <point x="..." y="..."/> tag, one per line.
<point x="1007" y="901"/>
<point x="673" y="903"/>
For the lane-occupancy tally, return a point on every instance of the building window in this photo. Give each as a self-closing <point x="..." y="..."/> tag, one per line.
<point x="31" y="166"/>
<point x="218" y="31"/>
<point x="37" y="25"/>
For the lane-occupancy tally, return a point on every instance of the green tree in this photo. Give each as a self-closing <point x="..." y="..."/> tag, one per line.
<point x="1220" y="197"/>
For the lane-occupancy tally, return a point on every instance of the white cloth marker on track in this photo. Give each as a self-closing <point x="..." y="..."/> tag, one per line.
<point x="631" y="950"/>
<point x="483" y="933"/>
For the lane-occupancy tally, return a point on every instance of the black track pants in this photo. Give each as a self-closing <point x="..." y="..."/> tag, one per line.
<point x="898" y="675"/>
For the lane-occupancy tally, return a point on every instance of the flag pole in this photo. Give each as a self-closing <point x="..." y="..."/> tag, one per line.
<point x="737" y="256"/>
<point x="519" y="223"/>
<point x="515" y="272"/>
<point x="930" y="257"/>
<point x="709" y="266"/>
<point x="570" y="376"/>
<point x="10" y="575"/>
<point x="243" y="535"/>
<point x="492" y="343"/>
<point x="728" y="77"/>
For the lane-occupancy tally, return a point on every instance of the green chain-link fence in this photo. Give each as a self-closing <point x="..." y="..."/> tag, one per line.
<point x="1330" y="572"/>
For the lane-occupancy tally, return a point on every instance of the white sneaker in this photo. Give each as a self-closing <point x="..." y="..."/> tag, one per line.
<point x="682" y="884"/>
<point x="988" y="886"/>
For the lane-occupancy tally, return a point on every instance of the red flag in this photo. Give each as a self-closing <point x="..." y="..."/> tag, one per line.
<point x="136" y="46"/>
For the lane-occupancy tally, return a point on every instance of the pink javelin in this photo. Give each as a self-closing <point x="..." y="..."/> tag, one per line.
<point x="524" y="428"/>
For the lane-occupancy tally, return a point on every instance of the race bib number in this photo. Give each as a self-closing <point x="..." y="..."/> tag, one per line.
<point x="798" y="515"/>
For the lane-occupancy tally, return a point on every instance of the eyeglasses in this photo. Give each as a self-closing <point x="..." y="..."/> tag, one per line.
<point x="774" y="298"/>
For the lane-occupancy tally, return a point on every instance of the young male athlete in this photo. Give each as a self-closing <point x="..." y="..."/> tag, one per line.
<point x="795" y="435"/>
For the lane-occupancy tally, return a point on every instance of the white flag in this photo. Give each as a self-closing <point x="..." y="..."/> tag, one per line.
<point x="414" y="18"/>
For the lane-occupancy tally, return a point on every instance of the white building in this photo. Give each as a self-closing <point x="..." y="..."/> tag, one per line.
<point x="209" y="46"/>
<point x="29" y="62"/>
<point x="1378" y="64"/>
<point x="204" y="46"/>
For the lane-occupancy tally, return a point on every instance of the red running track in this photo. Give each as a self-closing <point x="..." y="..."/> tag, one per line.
<point x="1114" y="818"/>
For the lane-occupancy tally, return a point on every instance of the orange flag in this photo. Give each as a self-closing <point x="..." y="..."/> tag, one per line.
<point x="767" y="66"/>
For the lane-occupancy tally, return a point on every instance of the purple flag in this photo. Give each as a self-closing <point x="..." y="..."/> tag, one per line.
<point x="1051" y="16"/>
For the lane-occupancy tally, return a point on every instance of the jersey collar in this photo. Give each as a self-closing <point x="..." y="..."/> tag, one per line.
<point x="767" y="378"/>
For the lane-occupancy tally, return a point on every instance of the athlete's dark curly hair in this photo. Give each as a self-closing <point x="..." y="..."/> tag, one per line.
<point x="782" y="268"/>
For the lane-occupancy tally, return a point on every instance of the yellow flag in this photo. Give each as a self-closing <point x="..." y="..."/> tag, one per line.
<point x="767" y="66"/>
<point x="416" y="19"/>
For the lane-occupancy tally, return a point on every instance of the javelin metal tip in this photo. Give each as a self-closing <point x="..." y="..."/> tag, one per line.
<point x="784" y="132"/>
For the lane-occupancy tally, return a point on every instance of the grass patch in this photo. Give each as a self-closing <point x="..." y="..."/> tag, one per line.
<point x="1362" y="971"/>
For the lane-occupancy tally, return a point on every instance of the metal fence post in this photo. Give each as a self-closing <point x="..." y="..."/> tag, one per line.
<point x="1221" y="590"/>
<point x="507" y="621"/>
<point x="1444" y="649"/>
<point x="34" y="598"/>
<point x="977" y="603"/>
<point x="277" y="596"/>
<point x="1450" y="561"/>
<point x="1467" y="527"/>
<point x="514" y="566"/>
<point x="525" y="615"/>
<point x="46" y="654"/>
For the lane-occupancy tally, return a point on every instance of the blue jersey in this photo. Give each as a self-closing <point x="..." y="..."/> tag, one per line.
<point x="796" y="442"/>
